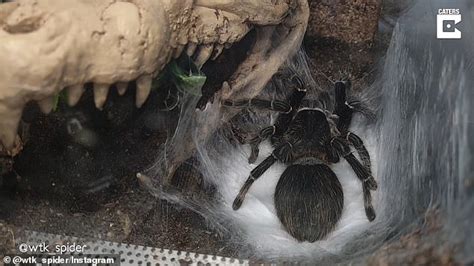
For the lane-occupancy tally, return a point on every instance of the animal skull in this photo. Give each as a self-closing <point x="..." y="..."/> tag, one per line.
<point x="51" y="45"/>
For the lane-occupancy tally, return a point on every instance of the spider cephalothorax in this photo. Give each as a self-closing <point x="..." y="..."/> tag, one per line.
<point x="308" y="197"/>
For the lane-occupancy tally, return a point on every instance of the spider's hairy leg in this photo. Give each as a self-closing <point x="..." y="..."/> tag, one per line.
<point x="254" y="175"/>
<point x="281" y="124"/>
<point x="342" y="109"/>
<point x="364" y="156"/>
<point x="362" y="172"/>
<point x="255" y="142"/>
<point x="284" y="119"/>
<point x="368" y="182"/>
<point x="280" y="153"/>
<point x="369" y="209"/>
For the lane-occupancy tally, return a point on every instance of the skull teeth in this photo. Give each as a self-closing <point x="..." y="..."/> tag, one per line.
<point x="100" y="94"/>
<point x="218" y="48"/>
<point x="225" y="87"/>
<point x="74" y="94"/>
<point x="178" y="51"/>
<point x="9" y="125"/>
<point x="204" y="53"/>
<point x="191" y="49"/>
<point x="143" y="89"/>
<point x="122" y="88"/>
<point x="46" y="105"/>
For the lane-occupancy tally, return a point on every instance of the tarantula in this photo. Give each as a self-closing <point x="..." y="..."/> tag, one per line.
<point x="308" y="197"/>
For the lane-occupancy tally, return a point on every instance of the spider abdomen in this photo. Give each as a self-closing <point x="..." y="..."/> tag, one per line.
<point x="309" y="201"/>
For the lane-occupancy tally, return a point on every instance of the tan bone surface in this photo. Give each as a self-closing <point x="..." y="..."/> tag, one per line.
<point x="51" y="45"/>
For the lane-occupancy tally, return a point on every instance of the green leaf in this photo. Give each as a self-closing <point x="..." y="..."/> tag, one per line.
<point x="56" y="102"/>
<point x="61" y="96"/>
<point x="189" y="82"/>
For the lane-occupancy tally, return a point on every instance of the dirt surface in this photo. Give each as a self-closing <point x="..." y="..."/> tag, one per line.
<point x="416" y="248"/>
<point x="88" y="187"/>
<point x="7" y="238"/>
<point x="348" y="21"/>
